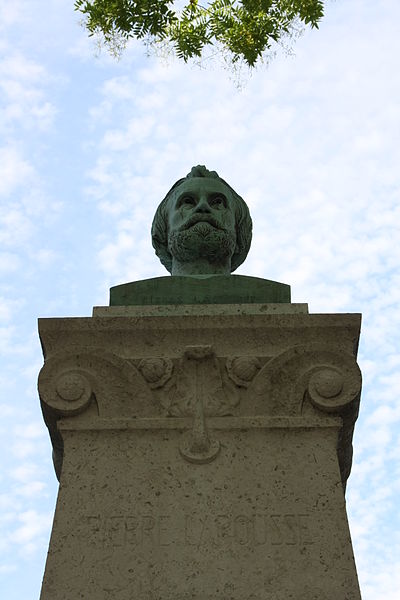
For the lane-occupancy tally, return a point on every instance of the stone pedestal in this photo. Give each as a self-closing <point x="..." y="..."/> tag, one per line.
<point x="202" y="453"/>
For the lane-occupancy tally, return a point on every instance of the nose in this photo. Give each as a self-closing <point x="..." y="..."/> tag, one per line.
<point x="202" y="205"/>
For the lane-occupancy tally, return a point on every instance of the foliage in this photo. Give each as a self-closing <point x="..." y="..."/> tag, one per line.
<point x="244" y="28"/>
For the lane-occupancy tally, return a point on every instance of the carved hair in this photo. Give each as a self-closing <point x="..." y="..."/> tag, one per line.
<point x="159" y="228"/>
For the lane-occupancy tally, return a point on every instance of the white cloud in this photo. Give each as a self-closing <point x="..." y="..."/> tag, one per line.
<point x="100" y="173"/>
<point x="8" y="568"/>
<point x="9" y="308"/>
<point x="10" y="13"/>
<point x="18" y="68"/>
<point x="6" y="410"/>
<point x="22" y="82"/>
<point x="15" y="171"/>
<point x="120" y="88"/>
<point x="29" y="441"/>
<point x="384" y="415"/>
<point x="31" y="490"/>
<point x="15" y="227"/>
<point x="30" y="431"/>
<point x="6" y="334"/>
<point x="25" y="472"/>
<point x="135" y="131"/>
<point x="33" y="525"/>
<point x="45" y="257"/>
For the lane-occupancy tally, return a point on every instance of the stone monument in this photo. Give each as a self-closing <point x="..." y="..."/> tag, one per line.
<point x="201" y="427"/>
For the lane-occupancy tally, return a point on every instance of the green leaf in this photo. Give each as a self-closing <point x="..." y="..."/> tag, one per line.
<point x="245" y="28"/>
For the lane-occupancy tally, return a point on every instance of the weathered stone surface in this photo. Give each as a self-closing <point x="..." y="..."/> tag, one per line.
<point x="176" y="310"/>
<point x="204" y="456"/>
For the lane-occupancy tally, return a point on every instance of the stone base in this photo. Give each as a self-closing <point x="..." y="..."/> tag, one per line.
<point x="203" y="457"/>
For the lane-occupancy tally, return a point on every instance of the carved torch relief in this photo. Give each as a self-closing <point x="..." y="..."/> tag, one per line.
<point x="203" y="388"/>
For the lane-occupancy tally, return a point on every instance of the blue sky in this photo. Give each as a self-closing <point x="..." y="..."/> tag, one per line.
<point x="88" y="148"/>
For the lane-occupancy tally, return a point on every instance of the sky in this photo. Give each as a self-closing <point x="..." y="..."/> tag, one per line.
<point x="88" y="148"/>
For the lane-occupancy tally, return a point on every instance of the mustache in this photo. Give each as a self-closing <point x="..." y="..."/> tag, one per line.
<point x="201" y="218"/>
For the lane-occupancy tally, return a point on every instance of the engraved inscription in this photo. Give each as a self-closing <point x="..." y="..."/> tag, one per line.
<point x="195" y="530"/>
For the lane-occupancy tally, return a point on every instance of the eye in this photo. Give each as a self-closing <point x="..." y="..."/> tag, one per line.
<point x="186" y="200"/>
<point x="218" y="201"/>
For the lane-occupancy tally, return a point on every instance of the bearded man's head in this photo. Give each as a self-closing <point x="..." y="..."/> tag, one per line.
<point x="202" y="218"/>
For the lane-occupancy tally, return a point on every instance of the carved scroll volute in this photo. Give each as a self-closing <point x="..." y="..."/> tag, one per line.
<point x="330" y="380"/>
<point x="66" y="391"/>
<point x="312" y="379"/>
<point x="70" y="382"/>
<point x="331" y="388"/>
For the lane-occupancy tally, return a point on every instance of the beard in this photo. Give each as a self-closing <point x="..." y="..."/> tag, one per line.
<point x="202" y="240"/>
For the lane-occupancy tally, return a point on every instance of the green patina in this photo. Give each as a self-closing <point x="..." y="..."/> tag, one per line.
<point x="201" y="232"/>
<point x="207" y="289"/>
<point x="202" y="227"/>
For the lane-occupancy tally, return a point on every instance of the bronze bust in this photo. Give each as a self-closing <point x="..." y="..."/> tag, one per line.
<point x="202" y="226"/>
